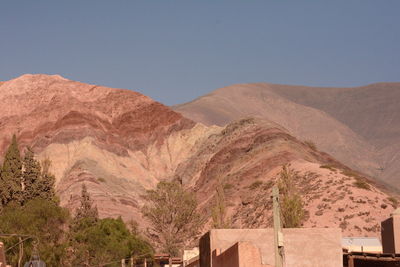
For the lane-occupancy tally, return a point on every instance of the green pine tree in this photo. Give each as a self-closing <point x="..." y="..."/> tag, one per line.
<point x="11" y="175"/>
<point x="31" y="176"/>
<point x="47" y="183"/>
<point x="86" y="209"/>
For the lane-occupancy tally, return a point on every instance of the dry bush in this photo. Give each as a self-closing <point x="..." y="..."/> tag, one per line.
<point x="291" y="203"/>
<point x="255" y="185"/>
<point x="394" y="202"/>
<point x="311" y="144"/>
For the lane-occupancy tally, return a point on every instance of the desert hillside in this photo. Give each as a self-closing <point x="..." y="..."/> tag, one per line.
<point x="359" y="126"/>
<point x="121" y="143"/>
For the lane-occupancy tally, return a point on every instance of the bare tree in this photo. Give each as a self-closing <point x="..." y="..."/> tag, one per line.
<point x="218" y="211"/>
<point x="173" y="215"/>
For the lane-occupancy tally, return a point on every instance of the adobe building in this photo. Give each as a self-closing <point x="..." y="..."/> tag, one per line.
<point x="303" y="247"/>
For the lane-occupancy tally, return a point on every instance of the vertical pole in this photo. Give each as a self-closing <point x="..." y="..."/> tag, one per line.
<point x="278" y="236"/>
<point x="145" y="262"/>
<point x="350" y="260"/>
<point x="123" y="263"/>
<point x="21" y="251"/>
<point x="131" y="261"/>
<point x="170" y="261"/>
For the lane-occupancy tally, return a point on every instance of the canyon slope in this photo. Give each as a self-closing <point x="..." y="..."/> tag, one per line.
<point x="121" y="143"/>
<point x="359" y="126"/>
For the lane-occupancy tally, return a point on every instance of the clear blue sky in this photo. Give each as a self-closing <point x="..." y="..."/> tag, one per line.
<point x="174" y="51"/>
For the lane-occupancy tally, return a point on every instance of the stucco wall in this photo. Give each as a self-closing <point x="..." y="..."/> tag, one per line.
<point x="241" y="254"/>
<point x="304" y="247"/>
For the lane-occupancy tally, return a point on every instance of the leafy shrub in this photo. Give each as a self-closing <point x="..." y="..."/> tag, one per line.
<point x="42" y="219"/>
<point x="105" y="241"/>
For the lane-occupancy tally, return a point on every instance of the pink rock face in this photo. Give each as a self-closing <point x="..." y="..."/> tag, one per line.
<point x="121" y="143"/>
<point x="44" y="109"/>
<point x="50" y="111"/>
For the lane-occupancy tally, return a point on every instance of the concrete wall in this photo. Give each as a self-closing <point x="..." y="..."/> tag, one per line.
<point x="303" y="247"/>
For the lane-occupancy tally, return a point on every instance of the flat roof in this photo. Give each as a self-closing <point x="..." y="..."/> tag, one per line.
<point x="361" y="241"/>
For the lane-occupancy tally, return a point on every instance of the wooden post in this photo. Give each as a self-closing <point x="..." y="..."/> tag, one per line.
<point x="145" y="262"/>
<point x="131" y="262"/>
<point x="170" y="261"/>
<point x="123" y="263"/>
<point x="350" y="260"/>
<point x="21" y="251"/>
<point x="278" y="236"/>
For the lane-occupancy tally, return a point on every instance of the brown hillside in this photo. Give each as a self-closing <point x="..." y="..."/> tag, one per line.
<point x="359" y="126"/>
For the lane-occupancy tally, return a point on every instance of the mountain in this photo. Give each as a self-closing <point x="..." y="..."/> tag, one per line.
<point x="360" y="126"/>
<point x="118" y="141"/>
<point x="121" y="143"/>
<point x="247" y="157"/>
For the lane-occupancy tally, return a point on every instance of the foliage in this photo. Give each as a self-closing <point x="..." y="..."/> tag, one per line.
<point x="31" y="210"/>
<point x="46" y="182"/>
<point x="94" y="241"/>
<point x="86" y="209"/>
<point x="218" y="212"/>
<point x="173" y="215"/>
<point x="11" y="175"/>
<point x="291" y="203"/>
<point x="37" y="179"/>
<point x="31" y="174"/>
<point x="106" y="240"/>
<point x="41" y="219"/>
